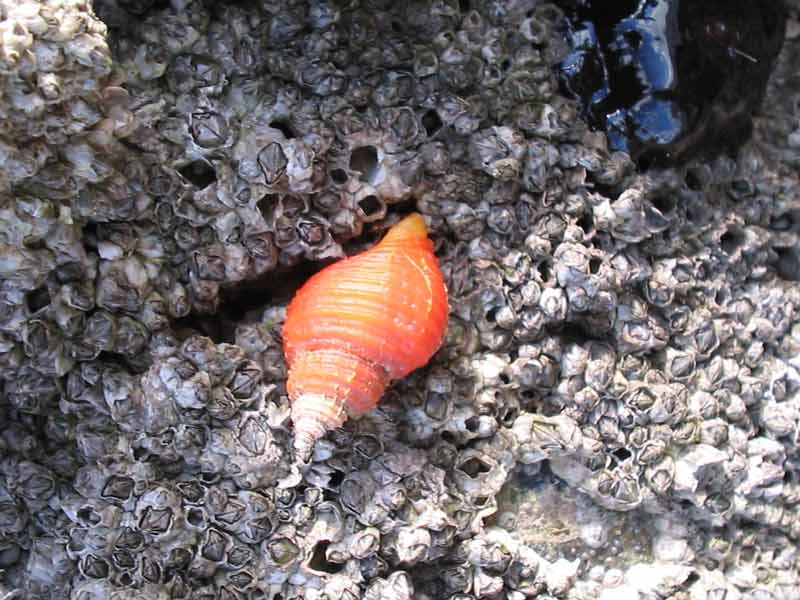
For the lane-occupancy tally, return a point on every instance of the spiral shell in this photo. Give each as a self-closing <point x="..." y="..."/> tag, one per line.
<point x="359" y="324"/>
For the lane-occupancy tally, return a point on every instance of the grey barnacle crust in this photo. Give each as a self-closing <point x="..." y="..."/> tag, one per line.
<point x="614" y="410"/>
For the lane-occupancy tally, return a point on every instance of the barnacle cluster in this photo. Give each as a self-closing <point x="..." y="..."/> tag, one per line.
<point x="614" y="412"/>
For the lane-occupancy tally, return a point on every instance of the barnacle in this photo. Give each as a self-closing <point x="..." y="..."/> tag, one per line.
<point x="357" y="325"/>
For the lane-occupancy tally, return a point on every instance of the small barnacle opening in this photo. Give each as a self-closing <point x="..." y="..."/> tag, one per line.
<point x="195" y="517"/>
<point x="364" y="160"/>
<point x="266" y="205"/>
<point x="664" y="204"/>
<point x="37" y="299"/>
<point x="339" y="176"/>
<point x="319" y="561"/>
<point x="472" y="424"/>
<point x="88" y="516"/>
<point x="621" y="454"/>
<point x="544" y="270"/>
<point x="372" y="207"/>
<point x="94" y="567"/>
<point x="474" y="466"/>
<point x="693" y="180"/>
<point x="199" y="173"/>
<point x="586" y="222"/>
<point x="336" y="479"/>
<point x="431" y="122"/>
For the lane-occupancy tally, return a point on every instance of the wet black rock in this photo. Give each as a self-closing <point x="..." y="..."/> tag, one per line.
<point x="670" y="79"/>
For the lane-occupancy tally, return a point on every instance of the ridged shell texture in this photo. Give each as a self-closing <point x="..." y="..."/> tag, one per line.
<point x="359" y="324"/>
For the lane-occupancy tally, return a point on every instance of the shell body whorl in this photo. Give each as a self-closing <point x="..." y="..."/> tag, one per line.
<point x="359" y="324"/>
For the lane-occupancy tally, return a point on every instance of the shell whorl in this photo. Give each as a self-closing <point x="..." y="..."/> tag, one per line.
<point x="313" y="416"/>
<point x="358" y="324"/>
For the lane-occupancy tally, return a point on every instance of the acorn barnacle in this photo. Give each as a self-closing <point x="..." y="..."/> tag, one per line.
<point x="359" y="324"/>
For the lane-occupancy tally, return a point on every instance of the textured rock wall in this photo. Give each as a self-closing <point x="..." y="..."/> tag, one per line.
<point x="614" y="413"/>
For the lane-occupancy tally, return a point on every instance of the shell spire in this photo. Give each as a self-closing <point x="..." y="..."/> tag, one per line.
<point x="359" y="324"/>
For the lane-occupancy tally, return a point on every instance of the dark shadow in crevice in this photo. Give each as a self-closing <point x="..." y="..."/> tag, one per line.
<point x="320" y="563"/>
<point x="245" y="301"/>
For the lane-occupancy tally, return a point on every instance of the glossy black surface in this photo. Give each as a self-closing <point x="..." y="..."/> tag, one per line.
<point x="669" y="79"/>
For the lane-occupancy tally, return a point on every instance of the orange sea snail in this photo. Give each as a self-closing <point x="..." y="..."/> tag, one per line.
<point x="359" y="324"/>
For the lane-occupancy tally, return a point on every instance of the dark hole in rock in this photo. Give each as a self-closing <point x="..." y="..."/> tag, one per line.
<point x="544" y="271"/>
<point x="37" y="299"/>
<point x="87" y="515"/>
<point x="196" y="517"/>
<point x="397" y="27"/>
<point x="664" y="204"/>
<point x="505" y="378"/>
<point x="693" y="578"/>
<point x="594" y="265"/>
<point x="336" y="478"/>
<point x="645" y="162"/>
<point x="474" y="467"/>
<point x="208" y="478"/>
<point x="731" y="240"/>
<point x="621" y="454"/>
<point x="199" y="173"/>
<point x="90" y="236"/>
<point x="431" y="122"/>
<point x="491" y="314"/>
<point x="339" y="176"/>
<point x="464" y="6"/>
<point x="125" y="579"/>
<point x="508" y="416"/>
<point x="284" y="127"/>
<point x="450" y="437"/>
<point x="575" y="332"/>
<point x="472" y="424"/>
<point x="267" y="204"/>
<point x="364" y="159"/>
<point x="506" y="64"/>
<point x="242" y="302"/>
<point x="318" y="561"/>
<point x="693" y="181"/>
<point x="586" y="222"/>
<point x="370" y="205"/>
